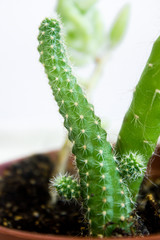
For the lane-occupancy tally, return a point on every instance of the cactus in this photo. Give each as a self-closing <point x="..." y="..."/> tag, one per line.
<point x="141" y="126"/>
<point x="67" y="186"/>
<point x="105" y="197"/>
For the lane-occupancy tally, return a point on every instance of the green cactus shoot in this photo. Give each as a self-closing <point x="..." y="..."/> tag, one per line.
<point x="104" y="195"/>
<point x="141" y="126"/>
<point x="67" y="187"/>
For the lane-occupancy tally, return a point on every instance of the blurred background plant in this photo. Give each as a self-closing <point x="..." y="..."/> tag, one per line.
<point x="85" y="32"/>
<point x="84" y="29"/>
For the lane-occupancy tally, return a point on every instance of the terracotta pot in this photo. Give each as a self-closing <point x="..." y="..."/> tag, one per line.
<point x="153" y="170"/>
<point x="10" y="234"/>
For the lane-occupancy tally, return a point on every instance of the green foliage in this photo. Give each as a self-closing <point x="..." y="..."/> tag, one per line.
<point x="85" y="34"/>
<point x="119" y="27"/>
<point x="67" y="186"/>
<point x="84" y="5"/>
<point x="84" y="29"/>
<point x="141" y="126"/>
<point x="105" y="197"/>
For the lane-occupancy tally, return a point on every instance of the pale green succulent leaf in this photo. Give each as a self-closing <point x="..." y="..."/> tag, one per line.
<point x="120" y="25"/>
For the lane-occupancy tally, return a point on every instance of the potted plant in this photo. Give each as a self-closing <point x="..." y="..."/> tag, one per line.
<point x="127" y="161"/>
<point x="108" y="179"/>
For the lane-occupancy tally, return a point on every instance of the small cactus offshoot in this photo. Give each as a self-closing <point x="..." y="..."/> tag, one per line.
<point x="131" y="166"/>
<point x="67" y="186"/>
<point x="132" y="169"/>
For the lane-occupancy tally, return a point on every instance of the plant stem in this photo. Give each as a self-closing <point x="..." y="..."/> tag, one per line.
<point x="100" y="63"/>
<point x="63" y="157"/>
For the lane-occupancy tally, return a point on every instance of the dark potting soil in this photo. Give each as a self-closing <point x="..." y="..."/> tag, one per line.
<point x="25" y="202"/>
<point x="148" y="207"/>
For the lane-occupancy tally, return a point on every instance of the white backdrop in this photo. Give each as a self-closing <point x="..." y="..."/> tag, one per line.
<point x="29" y="121"/>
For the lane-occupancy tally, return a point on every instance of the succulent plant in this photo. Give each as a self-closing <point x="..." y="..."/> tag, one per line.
<point x="108" y="179"/>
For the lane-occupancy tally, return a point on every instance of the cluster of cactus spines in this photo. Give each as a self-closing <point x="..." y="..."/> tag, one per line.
<point x="104" y="195"/>
<point x="141" y="126"/>
<point x="132" y="168"/>
<point x="66" y="186"/>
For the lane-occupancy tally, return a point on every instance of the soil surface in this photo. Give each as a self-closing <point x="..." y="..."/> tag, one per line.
<point x="25" y="202"/>
<point x="149" y="205"/>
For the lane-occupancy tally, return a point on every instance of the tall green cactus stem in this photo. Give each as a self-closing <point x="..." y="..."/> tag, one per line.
<point x="66" y="186"/>
<point x="105" y="197"/>
<point x="141" y="126"/>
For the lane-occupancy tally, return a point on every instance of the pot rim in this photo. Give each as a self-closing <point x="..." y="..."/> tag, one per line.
<point x="24" y="235"/>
